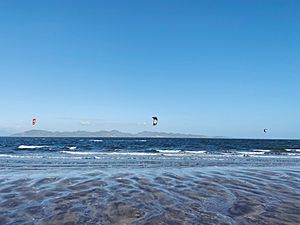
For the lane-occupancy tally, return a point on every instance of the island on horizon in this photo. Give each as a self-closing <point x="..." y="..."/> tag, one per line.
<point x="103" y="133"/>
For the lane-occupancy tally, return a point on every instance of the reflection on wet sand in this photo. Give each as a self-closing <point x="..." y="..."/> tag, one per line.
<point x="178" y="196"/>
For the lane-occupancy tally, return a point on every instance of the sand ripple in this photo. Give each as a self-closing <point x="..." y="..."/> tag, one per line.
<point x="152" y="196"/>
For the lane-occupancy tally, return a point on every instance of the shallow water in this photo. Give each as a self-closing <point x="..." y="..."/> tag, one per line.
<point x="94" y="185"/>
<point x="218" y="195"/>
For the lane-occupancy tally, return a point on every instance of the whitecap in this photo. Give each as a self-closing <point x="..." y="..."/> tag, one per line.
<point x="110" y="153"/>
<point x="251" y="153"/>
<point x="21" y="156"/>
<point x="289" y="155"/>
<point x="96" y="140"/>
<point x="79" y="153"/>
<point x="132" y="153"/>
<point x="196" y="152"/>
<point x="36" y="157"/>
<point x="72" y="148"/>
<point x="292" y="149"/>
<point x="168" y="151"/>
<point x="31" y="146"/>
<point x="262" y="150"/>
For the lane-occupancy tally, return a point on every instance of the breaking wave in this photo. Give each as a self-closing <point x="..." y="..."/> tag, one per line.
<point x="96" y="140"/>
<point x="32" y="146"/>
<point x="168" y="151"/>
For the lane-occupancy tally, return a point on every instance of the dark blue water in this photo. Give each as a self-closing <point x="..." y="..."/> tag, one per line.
<point x="143" y="152"/>
<point x="216" y="146"/>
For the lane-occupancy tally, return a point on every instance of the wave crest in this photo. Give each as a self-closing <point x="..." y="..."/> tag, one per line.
<point x="32" y="146"/>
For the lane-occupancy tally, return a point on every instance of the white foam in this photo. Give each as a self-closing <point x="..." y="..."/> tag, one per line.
<point x="289" y="155"/>
<point x="31" y="146"/>
<point x="168" y="151"/>
<point x="251" y="153"/>
<point x="160" y="153"/>
<point x="79" y="153"/>
<point x="72" y="147"/>
<point x="132" y="153"/>
<point x="21" y="156"/>
<point x="292" y="149"/>
<point x="196" y="152"/>
<point x="228" y="153"/>
<point x="261" y="150"/>
<point x="96" y="140"/>
<point x="175" y="154"/>
<point x="110" y="153"/>
<point x="36" y="157"/>
<point x="292" y="154"/>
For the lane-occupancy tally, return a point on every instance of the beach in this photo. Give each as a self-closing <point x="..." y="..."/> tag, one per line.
<point x="43" y="186"/>
<point x="152" y="196"/>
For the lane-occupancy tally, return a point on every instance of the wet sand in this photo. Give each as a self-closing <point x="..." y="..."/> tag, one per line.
<point x="218" y="195"/>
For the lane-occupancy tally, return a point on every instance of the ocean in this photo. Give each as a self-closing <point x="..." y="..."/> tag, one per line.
<point x="149" y="181"/>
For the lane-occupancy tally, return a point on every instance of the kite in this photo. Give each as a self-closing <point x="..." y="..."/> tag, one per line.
<point x="155" y="121"/>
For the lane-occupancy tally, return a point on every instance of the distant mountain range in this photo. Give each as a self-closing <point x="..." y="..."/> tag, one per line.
<point x="112" y="133"/>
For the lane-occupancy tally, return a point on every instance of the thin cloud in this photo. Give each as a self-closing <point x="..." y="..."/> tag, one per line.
<point x="85" y="123"/>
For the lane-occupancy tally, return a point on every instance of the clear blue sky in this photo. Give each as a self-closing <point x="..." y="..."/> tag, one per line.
<point x="226" y="68"/>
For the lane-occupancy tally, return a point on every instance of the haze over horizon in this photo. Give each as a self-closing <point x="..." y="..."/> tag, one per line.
<point x="221" y="68"/>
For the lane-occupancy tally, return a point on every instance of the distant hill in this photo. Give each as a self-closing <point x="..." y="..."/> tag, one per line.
<point x="112" y="133"/>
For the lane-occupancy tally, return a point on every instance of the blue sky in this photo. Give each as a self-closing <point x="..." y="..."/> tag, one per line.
<point x="227" y="68"/>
